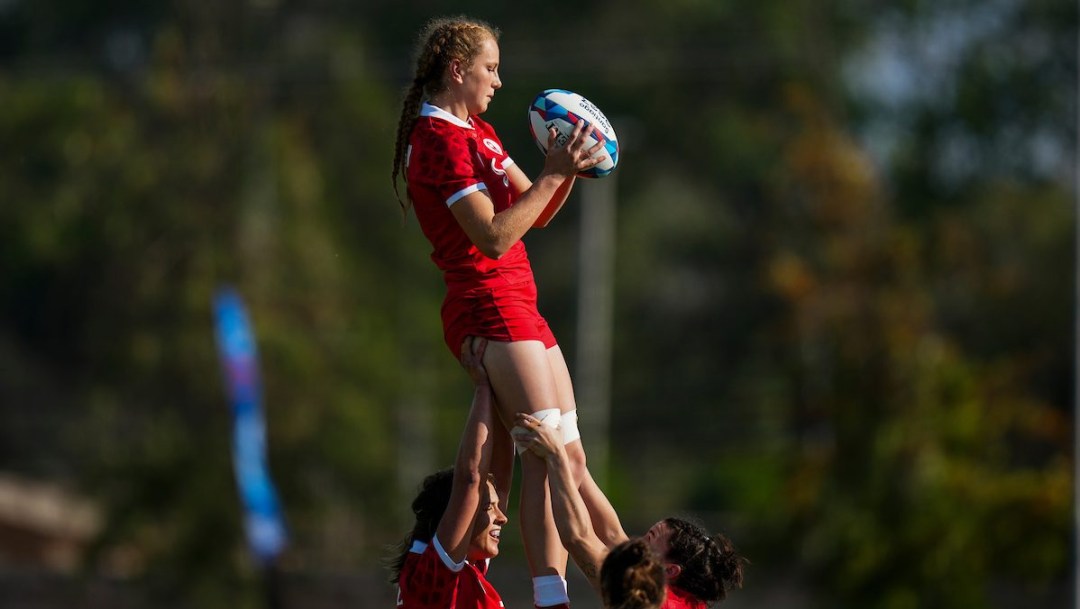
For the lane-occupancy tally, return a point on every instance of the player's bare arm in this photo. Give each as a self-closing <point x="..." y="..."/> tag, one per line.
<point x="473" y="459"/>
<point x="521" y="183"/>
<point x="494" y="233"/>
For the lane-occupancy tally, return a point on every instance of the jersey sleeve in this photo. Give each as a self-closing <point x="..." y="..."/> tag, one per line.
<point x="445" y="557"/>
<point x="450" y="170"/>
<point x="430" y="583"/>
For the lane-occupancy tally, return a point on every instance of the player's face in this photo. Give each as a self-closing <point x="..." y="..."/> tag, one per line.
<point x="659" y="538"/>
<point x="487" y="527"/>
<point x="481" y="80"/>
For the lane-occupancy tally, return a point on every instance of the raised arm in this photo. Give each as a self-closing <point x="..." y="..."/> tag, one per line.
<point x="571" y="516"/>
<point x="473" y="458"/>
<point x="605" y="519"/>
<point x="494" y="233"/>
<point x="502" y="459"/>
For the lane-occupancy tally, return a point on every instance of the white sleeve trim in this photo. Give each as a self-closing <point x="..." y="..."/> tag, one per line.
<point x="449" y="562"/>
<point x="507" y="162"/>
<point x="468" y="190"/>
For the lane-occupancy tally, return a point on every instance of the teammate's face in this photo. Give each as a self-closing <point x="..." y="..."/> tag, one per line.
<point x="659" y="538"/>
<point x="487" y="527"/>
<point x="481" y="80"/>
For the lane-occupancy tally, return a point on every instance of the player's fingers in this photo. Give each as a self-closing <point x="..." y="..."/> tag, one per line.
<point x="526" y="438"/>
<point x="529" y="423"/>
<point x="479" y="345"/>
<point x="578" y="128"/>
<point x="584" y="136"/>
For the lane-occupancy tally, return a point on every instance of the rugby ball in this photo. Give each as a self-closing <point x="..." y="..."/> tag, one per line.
<point x="563" y="110"/>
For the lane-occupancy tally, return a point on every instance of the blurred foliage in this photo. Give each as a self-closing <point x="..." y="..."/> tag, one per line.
<point x="843" y="295"/>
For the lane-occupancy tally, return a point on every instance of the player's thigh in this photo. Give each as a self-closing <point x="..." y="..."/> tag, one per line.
<point x="521" y="376"/>
<point x="564" y="386"/>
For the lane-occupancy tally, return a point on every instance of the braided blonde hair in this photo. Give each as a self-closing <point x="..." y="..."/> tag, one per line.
<point x="441" y="41"/>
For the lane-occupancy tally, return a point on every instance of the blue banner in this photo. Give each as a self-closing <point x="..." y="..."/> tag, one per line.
<point x="263" y="521"/>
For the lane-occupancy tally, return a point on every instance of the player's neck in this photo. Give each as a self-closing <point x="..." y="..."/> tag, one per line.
<point x="447" y="102"/>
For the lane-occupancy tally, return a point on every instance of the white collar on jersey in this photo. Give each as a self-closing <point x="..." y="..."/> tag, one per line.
<point x="430" y="110"/>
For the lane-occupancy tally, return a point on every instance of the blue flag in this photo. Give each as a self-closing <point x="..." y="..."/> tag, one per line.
<point x="263" y="521"/>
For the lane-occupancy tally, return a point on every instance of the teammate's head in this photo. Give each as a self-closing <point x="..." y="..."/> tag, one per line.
<point x="487" y="525"/>
<point x="705" y="566"/>
<point x="632" y="577"/>
<point x="440" y="42"/>
<point x="428" y="507"/>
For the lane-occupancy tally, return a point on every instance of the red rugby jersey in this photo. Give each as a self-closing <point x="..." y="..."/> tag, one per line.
<point x="678" y="598"/>
<point x="430" y="579"/>
<point x="448" y="159"/>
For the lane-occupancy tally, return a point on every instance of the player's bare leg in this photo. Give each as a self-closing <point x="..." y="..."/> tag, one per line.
<point x="604" y="519"/>
<point x="523" y="380"/>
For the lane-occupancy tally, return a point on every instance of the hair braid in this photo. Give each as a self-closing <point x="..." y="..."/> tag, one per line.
<point x="441" y="41"/>
<point x="409" y="109"/>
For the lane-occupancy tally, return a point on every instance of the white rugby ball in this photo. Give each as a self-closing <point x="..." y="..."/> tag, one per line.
<point x="563" y="110"/>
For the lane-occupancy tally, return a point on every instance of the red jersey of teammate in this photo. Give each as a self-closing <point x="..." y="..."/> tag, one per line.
<point x="448" y="159"/>
<point x="431" y="580"/>
<point x="679" y="599"/>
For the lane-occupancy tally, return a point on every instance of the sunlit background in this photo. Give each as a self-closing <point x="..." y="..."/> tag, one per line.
<point x="824" y="305"/>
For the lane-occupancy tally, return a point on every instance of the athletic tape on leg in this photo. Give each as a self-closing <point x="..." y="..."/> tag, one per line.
<point x="549" y="417"/>
<point x="568" y="423"/>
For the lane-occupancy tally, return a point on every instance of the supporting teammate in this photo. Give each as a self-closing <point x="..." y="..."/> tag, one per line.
<point x="700" y="568"/>
<point x="443" y="562"/>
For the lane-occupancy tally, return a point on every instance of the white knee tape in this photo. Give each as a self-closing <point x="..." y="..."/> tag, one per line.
<point x="570" y="432"/>
<point x="549" y="417"/>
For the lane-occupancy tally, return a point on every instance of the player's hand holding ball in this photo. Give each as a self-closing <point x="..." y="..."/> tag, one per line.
<point x="574" y="155"/>
<point x="565" y="112"/>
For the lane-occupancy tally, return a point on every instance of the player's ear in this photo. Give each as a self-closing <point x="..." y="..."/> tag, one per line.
<point x="456" y="71"/>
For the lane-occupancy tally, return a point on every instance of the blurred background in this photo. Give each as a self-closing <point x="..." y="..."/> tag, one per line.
<point x="824" y="305"/>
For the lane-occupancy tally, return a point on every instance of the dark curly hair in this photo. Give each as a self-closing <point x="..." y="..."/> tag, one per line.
<point x="711" y="567"/>
<point x="428" y="507"/>
<point x="632" y="577"/>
